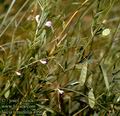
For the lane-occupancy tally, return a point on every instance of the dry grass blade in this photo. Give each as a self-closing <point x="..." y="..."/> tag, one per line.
<point x="9" y="10"/>
<point x="14" y="18"/>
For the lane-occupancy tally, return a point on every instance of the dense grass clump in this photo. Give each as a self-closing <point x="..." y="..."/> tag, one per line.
<point x="60" y="57"/>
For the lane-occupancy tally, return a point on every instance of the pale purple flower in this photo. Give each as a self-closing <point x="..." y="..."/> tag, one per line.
<point x="48" y="24"/>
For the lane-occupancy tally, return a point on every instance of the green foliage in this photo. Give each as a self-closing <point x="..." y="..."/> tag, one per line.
<point x="62" y="55"/>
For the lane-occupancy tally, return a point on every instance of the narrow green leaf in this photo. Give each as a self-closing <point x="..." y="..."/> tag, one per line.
<point x="91" y="98"/>
<point x="105" y="76"/>
<point x="44" y="113"/>
<point x="83" y="74"/>
<point x="89" y="81"/>
<point x="7" y="93"/>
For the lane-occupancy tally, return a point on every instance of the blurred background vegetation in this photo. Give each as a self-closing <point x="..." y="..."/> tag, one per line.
<point x="62" y="55"/>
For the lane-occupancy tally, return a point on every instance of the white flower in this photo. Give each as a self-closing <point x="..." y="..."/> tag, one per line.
<point x="37" y="18"/>
<point x="106" y="32"/>
<point x="60" y="91"/>
<point x="43" y="61"/>
<point x="18" y="73"/>
<point x="48" y="24"/>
